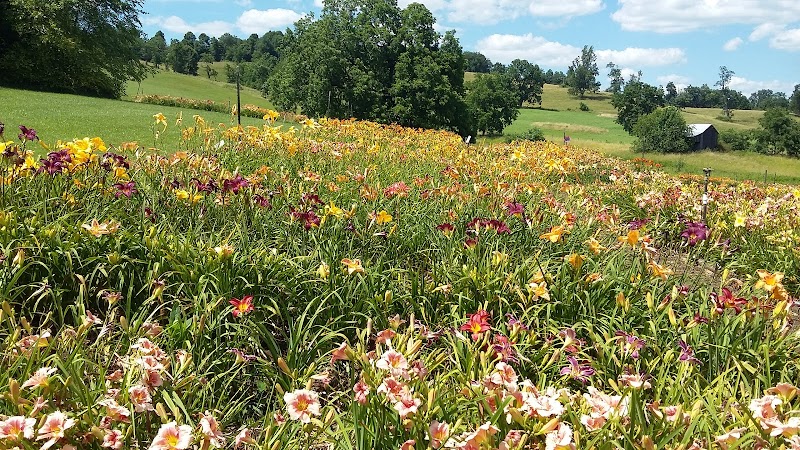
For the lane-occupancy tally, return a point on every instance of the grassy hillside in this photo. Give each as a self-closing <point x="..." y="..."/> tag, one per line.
<point x="63" y="116"/>
<point x="197" y="87"/>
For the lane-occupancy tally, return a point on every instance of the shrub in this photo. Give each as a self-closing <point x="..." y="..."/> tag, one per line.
<point x="584" y="107"/>
<point x="663" y="130"/>
<point x="531" y="134"/>
<point x="737" y="140"/>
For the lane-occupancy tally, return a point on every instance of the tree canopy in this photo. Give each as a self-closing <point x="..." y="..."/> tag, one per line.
<point x="637" y="99"/>
<point x="80" y="46"/>
<point x="492" y="98"/>
<point x="582" y="74"/>
<point x="663" y="130"/>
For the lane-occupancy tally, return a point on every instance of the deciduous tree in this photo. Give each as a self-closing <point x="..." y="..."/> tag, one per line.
<point x="79" y="46"/>
<point x="582" y="74"/>
<point x="637" y="99"/>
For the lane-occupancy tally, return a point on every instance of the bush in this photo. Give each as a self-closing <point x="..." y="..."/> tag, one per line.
<point x="584" y="107"/>
<point x="531" y="134"/>
<point x="663" y="130"/>
<point x="737" y="140"/>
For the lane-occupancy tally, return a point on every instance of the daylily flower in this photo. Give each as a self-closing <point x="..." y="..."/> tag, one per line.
<point x="244" y="437"/>
<point x="353" y="266"/>
<point x="438" y="433"/>
<point x="383" y="217"/>
<point x="555" y="233"/>
<point x="576" y="370"/>
<point x="694" y="233"/>
<point x="302" y="404"/>
<point x="687" y="353"/>
<point x="210" y="429"/>
<point x="39" y="378"/>
<point x="560" y="438"/>
<point x="54" y="429"/>
<point x="243" y="306"/>
<point x="361" y="391"/>
<point x="126" y="189"/>
<point x="17" y="428"/>
<point x="27" y="134"/>
<point x="477" y="324"/>
<point x="172" y="437"/>
<point x="98" y="229"/>
<point x="113" y="440"/>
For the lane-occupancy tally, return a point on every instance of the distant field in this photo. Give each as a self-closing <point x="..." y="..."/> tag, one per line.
<point x="65" y="117"/>
<point x="197" y="87"/>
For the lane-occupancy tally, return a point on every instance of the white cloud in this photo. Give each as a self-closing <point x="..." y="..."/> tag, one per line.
<point x="486" y="12"/>
<point x="244" y="3"/>
<point x="733" y="44"/>
<point x="504" y="48"/>
<point x="176" y="25"/>
<point x="642" y="57"/>
<point x="765" y="30"/>
<point x="675" y="16"/>
<point x="260" y="21"/>
<point x="749" y="86"/>
<point x="570" y="8"/>
<point x="786" y="40"/>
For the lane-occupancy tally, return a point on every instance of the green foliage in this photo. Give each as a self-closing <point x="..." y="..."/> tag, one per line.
<point x="492" y="99"/>
<point x="584" y="107"/>
<point x="737" y="140"/>
<point x="369" y="59"/>
<point x="637" y="99"/>
<point x="476" y="62"/>
<point x="663" y="130"/>
<point x="779" y="133"/>
<point x="765" y="99"/>
<point x="617" y="80"/>
<point x="582" y="74"/>
<point x="81" y="46"/>
<point x="533" y="134"/>
<point x="528" y="79"/>
<point x="794" y="101"/>
<point x="671" y="93"/>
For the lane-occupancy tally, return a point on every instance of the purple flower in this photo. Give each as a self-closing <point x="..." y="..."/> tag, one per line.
<point x="514" y="322"/>
<point x="694" y="233"/>
<point x="126" y="189"/>
<point x="262" y="201"/>
<point x="577" y="370"/>
<point x="638" y="224"/>
<point x="630" y="344"/>
<point x="234" y="184"/>
<point x="515" y="209"/>
<point x="504" y="348"/>
<point x="26" y="133"/>
<point x="209" y="187"/>
<point x="687" y="353"/>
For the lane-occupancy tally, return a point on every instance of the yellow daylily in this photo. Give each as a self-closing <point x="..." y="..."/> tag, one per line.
<point x="383" y="217"/>
<point x="555" y="233"/>
<point x="353" y="266"/>
<point x="97" y="229"/>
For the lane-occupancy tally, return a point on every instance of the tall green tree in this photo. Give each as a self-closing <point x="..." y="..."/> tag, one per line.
<point x="671" y="93"/>
<point x="492" y="99"/>
<point x="725" y="76"/>
<point x="637" y="99"/>
<point x="617" y="81"/>
<point x="477" y="62"/>
<point x="528" y="79"/>
<point x="663" y="130"/>
<point x="79" y="46"/>
<point x="582" y="74"/>
<point x="779" y="133"/>
<point x="794" y="101"/>
<point x="369" y="59"/>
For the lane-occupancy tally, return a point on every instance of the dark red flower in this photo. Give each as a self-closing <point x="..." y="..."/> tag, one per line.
<point x="695" y="232"/>
<point x="126" y="189"/>
<point x="477" y="324"/>
<point x="27" y="134"/>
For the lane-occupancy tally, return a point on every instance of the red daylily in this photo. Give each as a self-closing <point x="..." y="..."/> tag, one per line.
<point x="243" y="306"/>
<point x="477" y="324"/>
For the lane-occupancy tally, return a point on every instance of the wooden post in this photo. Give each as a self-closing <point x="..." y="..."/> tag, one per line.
<point x="238" y="99"/>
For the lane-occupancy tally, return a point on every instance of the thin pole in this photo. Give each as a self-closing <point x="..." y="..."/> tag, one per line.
<point x="707" y="173"/>
<point x="238" y="99"/>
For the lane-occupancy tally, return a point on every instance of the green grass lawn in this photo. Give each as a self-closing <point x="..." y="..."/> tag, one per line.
<point x="197" y="87"/>
<point x="65" y="117"/>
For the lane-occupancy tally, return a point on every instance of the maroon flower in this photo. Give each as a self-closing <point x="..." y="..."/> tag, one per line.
<point x="687" y="353"/>
<point x="27" y="134"/>
<point x="695" y="232"/>
<point x="630" y="344"/>
<point x="445" y="228"/>
<point x="234" y="184"/>
<point x="126" y="189"/>
<point x="638" y="224"/>
<point x="515" y="209"/>
<point x="262" y="201"/>
<point x="726" y="299"/>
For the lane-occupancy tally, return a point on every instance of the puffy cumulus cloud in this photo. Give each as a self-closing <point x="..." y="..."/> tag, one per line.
<point x="765" y="30"/>
<point x="505" y="48"/>
<point x="749" y="86"/>
<point x="561" y="8"/>
<point x="642" y="57"/>
<point x="676" y="16"/>
<point x="176" y="25"/>
<point x="260" y="21"/>
<point x="486" y="12"/>
<point x="733" y="44"/>
<point x="786" y="40"/>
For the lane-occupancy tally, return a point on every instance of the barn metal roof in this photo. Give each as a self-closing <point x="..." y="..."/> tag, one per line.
<point x="696" y="129"/>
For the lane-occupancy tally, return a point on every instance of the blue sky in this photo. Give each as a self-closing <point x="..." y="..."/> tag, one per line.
<point x="684" y="41"/>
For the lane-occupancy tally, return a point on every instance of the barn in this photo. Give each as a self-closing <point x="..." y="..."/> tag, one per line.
<point x="703" y="136"/>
